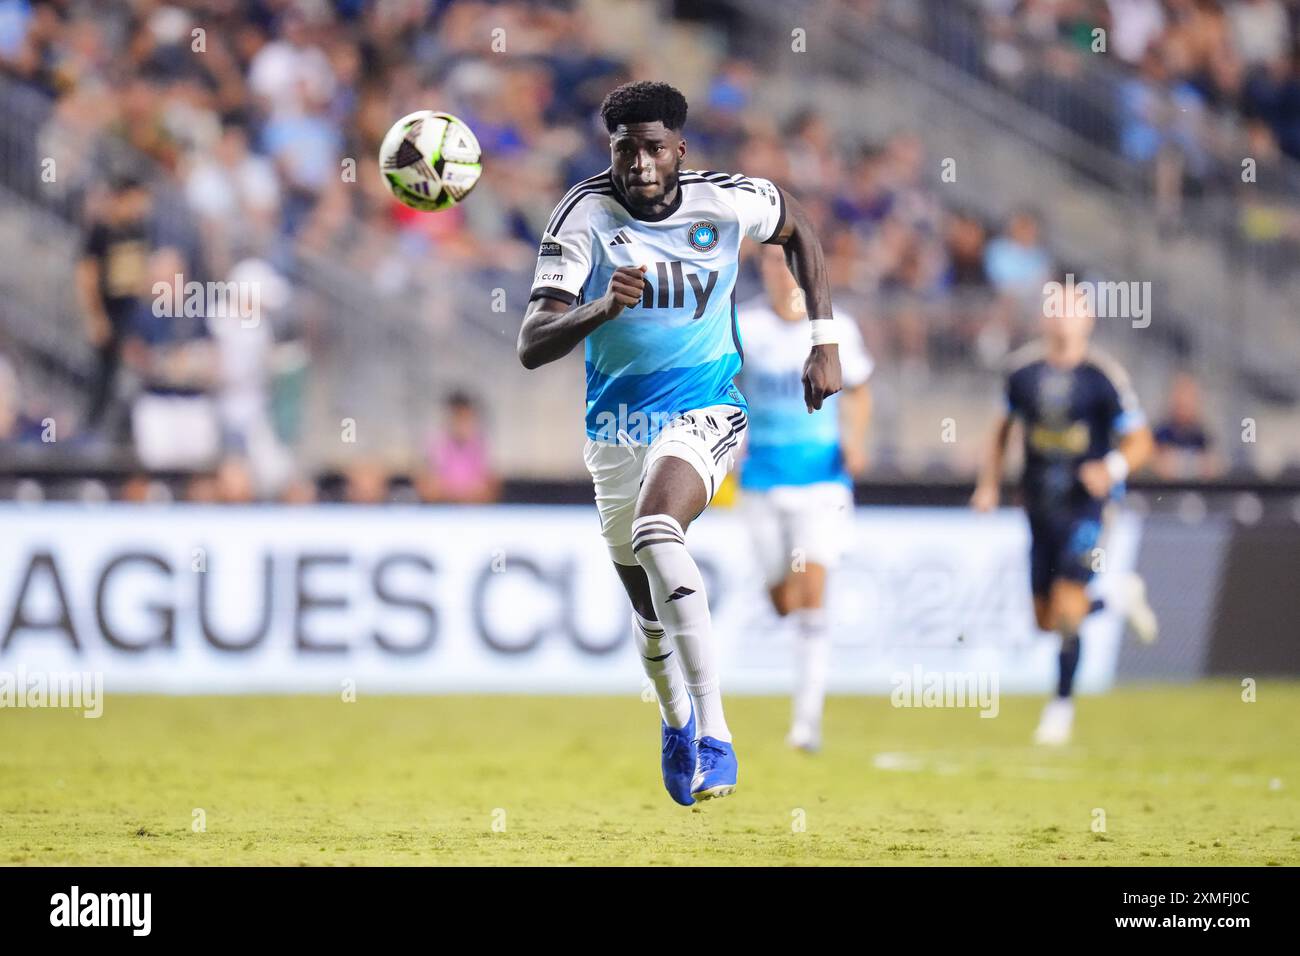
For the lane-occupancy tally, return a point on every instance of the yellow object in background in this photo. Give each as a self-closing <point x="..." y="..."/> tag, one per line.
<point x="728" y="492"/>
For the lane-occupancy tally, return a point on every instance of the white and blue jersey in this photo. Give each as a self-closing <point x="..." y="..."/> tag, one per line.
<point x="678" y="349"/>
<point x="786" y="445"/>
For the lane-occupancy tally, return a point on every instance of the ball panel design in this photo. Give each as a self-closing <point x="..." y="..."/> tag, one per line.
<point x="430" y="160"/>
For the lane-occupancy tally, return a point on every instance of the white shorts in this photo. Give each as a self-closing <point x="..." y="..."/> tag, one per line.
<point x="175" y="432"/>
<point x="708" y="439"/>
<point x="794" y="525"/>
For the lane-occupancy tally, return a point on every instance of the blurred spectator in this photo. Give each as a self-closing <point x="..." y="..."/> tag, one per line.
<point x="299" y="491"/>
<point x="1016" y="261"/>
<point x="290" y="70"/>
<point x="201" y="489"/>
<point x="306" y="147"/>
<point x="111" y="283"/>
<point x="29" y="35"/>
<point x="1269" y="215"/>
<point x="232" y="184"/>
<point x="1261" y="31"/>
<point x="863" y="199"/>
<point x="245" y="347"/>
<point x="15" y="424"/>
<point x="1273" y="94"/>
<point x="173" y="418"/>
<point x="730" y="95"/>
<point x="810" y="145"/>
<point x="458" y="464"/>
<point x="1135" y="24"/>
<point x="234" y="481"/>
<point x="139" y="489"/>
<point x="965" y="241"/>
<point x="1159" y="110"/>
<point x="1182" y="443"/>
<point x="367" y="483"/>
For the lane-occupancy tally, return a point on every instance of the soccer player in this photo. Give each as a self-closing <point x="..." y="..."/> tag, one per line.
<point x="1083" y="434"/>
<point x="639" y="262"/>
<point x="797" y="473"/>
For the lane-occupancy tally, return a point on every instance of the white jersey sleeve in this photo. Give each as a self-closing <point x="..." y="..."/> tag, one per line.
<point x="856" y="364"/>
<point x="759" y="205"/>
<point x="564" y="258"/>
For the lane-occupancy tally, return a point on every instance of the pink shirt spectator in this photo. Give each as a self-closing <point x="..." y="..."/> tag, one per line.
<point x="460" y="467"/>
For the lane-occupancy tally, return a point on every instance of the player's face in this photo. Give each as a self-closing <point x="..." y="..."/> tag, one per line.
<point x="1071" y="324"/>
<point x="645" y="158"/>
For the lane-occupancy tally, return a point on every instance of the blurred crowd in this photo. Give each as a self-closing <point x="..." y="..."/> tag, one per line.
<point x="250" y="129"/>
<point x="1182" y="89"/>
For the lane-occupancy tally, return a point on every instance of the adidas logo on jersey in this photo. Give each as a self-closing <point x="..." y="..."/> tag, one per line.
<point x="619" y="240"/>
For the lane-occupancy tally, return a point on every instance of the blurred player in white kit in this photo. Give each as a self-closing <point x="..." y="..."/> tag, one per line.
<point x="797" y="476"/>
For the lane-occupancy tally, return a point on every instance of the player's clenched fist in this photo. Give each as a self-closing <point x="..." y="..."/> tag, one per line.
<point x="821" y="375"/>
<point x="625" y="288"/>
<point x="1095" y="477"/>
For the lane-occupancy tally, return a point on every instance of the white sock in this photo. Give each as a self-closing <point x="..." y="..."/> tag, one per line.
<point x="664" y="674"/>
<point x="812" y="657"/>
<point x="683" y="609"/>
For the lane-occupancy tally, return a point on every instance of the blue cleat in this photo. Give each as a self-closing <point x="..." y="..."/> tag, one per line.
<point x="679" y="760"/>
<point x="715" y="769"/>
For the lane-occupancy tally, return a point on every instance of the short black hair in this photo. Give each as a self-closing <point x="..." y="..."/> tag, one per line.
<point x="459" y="398"/>
<point x="644" y="101"/>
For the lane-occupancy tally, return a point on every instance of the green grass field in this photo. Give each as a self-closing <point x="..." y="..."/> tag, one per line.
<point x="1188" y="775"/>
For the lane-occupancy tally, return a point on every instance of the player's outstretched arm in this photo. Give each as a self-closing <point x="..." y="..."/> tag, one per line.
<point x="551" y="328"/>
<point x="988" y="487"/>
<point x="807" y="263"/>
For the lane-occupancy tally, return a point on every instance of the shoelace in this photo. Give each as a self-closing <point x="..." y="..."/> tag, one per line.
<point x="674" y="743"/>
<point x="709" y="755"/>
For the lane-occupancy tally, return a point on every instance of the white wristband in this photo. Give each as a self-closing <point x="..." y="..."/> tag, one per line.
<point x="823" y="332"/>
<point x="1116" y="465"/>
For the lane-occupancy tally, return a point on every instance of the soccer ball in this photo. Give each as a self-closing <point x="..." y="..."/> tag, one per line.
<point x="430" y="160"/>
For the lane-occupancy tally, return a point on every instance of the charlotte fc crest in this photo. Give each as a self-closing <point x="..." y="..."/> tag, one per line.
<point x="703" y="235"/>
